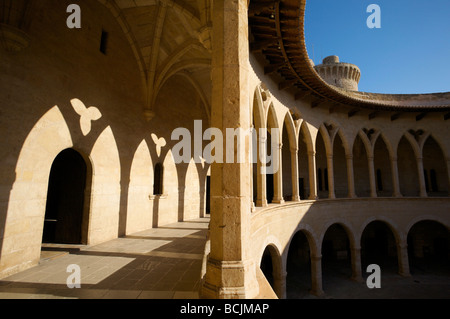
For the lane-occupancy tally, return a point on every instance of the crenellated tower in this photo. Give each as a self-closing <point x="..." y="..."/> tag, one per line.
<point x="343" y="75"/>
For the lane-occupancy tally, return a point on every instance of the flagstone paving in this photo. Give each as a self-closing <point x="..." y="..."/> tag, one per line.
<point x="160" y="263"/>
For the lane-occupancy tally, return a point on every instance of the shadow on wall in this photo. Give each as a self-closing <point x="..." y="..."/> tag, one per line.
<point x="116" y="191"/>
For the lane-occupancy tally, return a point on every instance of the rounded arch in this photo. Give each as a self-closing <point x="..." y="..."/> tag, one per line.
<point x="398" y="234"/>
<point x="313" y="238"/>
<point x="427" y="217"/>
<point x="350" y="231"/>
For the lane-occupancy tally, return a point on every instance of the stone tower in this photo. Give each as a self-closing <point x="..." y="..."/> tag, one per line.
<point x="343" y="75"/>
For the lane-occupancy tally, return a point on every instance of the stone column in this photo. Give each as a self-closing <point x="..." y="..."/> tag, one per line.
<point x="312" y="175"/>
<point x="261" y="198"/>
<point x="422" y="185"/>
<point x="373" y="184"/>
<point x="294" y="169"/>
<point x="316" y="275"/>
<point x="403" y="261"/>
<point x="230" y="269"/>
<point x="395" y="178"/>
<point x="356" y="264"/>
<point x="279" y="283"/>
<point x="350" y="176"/>
<point x="331" y="193"/>
<point x="278" y="176"/>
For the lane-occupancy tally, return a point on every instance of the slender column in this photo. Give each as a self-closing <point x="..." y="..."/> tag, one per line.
<point x="278" y="176"/>
<point x="261" y="199"/>
<point x="294" y="169"/>
<point x="395" y="178"/>
<point x="403" y="262"/>
<point x="312" y="175"/>
<point x="350" y="176"/>
<point x="316" y="275"/>
<point x="422" y="185"/>
<point x="330" y="176"/>
<point x="230" y="269"/>
<point x="356" y="264"/>
<point x="373" y="184"/>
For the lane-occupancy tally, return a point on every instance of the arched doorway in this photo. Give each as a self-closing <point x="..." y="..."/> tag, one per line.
<point x="336" y="257"/>
<point x="65" y="206"/>
<point x="378" y="246"/>
<point x="429" y="248"/>
<point x="383" y="171"/>
<point x="298" y="279"/>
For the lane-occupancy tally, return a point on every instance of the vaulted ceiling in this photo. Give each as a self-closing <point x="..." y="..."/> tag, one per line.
<point x="168" y="37"/>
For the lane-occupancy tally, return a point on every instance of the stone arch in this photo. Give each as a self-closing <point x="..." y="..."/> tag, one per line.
<point x="428" y="240"/>
<point x="273" y="176"/>
<point x="289" y="163"/>
<point x="106" y="190"/>
<point x="21" y="249"/>
<point x="407" y="152"/>
<point x="271" y="264"/>
<point x="306" y="162"/>
<point x="165" y="206"/>
<point x="192" y="192"/>
<point x="435" y="168"/>
<point x="362" y="150"/>
<point x="139" y="216"/>
<point x="381" y="244"/>
<point x="340" y="175"/>
<point x="383" y="155"/>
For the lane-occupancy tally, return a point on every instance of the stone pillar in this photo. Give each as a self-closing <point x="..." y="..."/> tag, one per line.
<point x="279" y="283"/>
<point x="316" y="275"/>
<point x="261" y="198"/>
<point x="448" y="174"/>
<point x="331" y="193"/>
<point x="294" y="169"/>
<point x="422" y="185"/>
<point x="356" y="264"/>
<point x="278" y="176"/>
<point x="373" y="184"/>
<point x="395" y="178"/>
<point x="403" y="261"/>
<point x="312" y="175"/>
<point x="230" y="269"/>
<point x="350" y="176"/>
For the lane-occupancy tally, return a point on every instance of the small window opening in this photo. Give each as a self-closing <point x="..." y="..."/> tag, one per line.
<point x="104" y="42"/>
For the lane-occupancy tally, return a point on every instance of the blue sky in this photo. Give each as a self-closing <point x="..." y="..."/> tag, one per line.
<point x="409" y="54"/>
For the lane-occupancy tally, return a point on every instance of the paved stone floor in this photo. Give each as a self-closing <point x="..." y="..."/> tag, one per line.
<point x="160" y="263"/>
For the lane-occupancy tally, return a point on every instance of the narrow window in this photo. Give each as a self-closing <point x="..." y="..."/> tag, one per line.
<point x="325" y="178"/>
<point x="104" y="42"/>
<point x="158" y="183"/>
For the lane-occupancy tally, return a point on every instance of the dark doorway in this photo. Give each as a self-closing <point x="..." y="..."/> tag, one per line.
<point x="378" y="246"/>
<point x="208" y="194"/>
<point x="65" y="199"/>
<point x="429" y="248"/>
<point x="298" y="280"/>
